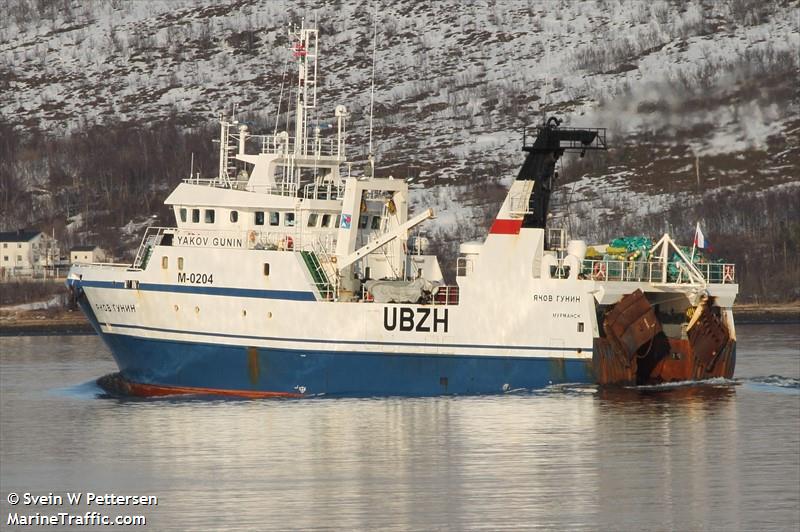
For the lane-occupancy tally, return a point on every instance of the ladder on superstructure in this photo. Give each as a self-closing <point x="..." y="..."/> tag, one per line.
<point x="327" y="289"/>
<point x="151" y="239"/>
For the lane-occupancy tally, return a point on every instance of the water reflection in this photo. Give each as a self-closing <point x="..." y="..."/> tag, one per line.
<point x="720" y="456"/>
<point x="668" y="455"/>
<point x="641" y="396"/>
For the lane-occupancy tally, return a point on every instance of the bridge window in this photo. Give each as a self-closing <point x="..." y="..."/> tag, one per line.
<point x="376" y="222"/>
<point x="196" y="216"/>
<point x="274" y="218"/>
<point x="234" y="216"/>
<point x="209" y="218"/>
<point x="259" y="217"/>
<point x="326" y="220"/>
<point x="312" y="219"/>
<point x="288" y="219"/>
<point x="362" y="221"/>
<point x="183" y="214"/>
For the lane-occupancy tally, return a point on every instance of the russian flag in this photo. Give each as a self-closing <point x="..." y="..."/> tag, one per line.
<point x="700" y="241"/>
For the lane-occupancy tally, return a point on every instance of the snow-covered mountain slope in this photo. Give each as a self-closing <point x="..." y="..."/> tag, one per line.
<point x="680" y="85"/>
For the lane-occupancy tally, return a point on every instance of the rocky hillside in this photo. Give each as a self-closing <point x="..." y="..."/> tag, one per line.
<point x="102" y="104"/>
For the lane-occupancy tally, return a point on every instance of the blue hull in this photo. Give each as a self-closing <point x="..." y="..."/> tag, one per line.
<point x="160" y="366"/>
<point x="202" y="366"/>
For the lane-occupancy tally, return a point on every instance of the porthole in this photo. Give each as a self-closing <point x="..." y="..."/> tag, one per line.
<point x="244" y="313"/>
<point x="197" y="310"/>
<point x="164" y="262"/>
<point x="269" y="315"/>
<point x="175" y="307"/>
<point x="180" y="263"/>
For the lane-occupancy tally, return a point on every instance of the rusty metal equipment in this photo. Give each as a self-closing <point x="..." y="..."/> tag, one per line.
<point x="635" y="350"/>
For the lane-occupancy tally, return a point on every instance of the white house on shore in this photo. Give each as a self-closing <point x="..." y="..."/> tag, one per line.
<point x="86" y="255"/>
<point x="28" y="254"/>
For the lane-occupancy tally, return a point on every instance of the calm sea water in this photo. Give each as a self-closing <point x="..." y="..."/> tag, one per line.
<point x="720" y="456"/>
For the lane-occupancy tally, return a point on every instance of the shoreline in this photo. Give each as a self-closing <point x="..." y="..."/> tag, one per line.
<point x="73" y="322"/>
<point x="43" y="322"/>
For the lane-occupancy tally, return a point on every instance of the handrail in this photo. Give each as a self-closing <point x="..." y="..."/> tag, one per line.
<point x="285" y="145"/>
<point x="324" y="191"/>
<point x="651" y="272"/>
<point x="152" y="237"/>
<point x="280" y="238"/>
<point x="288" y="189"/>
<point x="555" y="238"/>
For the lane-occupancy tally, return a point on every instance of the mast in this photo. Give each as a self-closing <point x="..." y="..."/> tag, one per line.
<point x="305" y="52"/>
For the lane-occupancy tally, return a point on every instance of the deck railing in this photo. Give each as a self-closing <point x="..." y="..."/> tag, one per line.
<point x="152" y="237"/>
<point x="555" y="238"/>
<point x="651" y="272"/>
<point x="277" y="238"/>
<point x="446" y="295"/>
<point x="284" y="145"/>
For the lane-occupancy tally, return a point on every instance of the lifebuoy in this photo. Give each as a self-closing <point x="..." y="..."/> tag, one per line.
<point x="251" y="237"/>
<point x="599" y="271"/>
<point x="727" y="273"/>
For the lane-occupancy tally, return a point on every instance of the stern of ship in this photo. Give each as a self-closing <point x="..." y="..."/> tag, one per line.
<point x="657" y="325"/>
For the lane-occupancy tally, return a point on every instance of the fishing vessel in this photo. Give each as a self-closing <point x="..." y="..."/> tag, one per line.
<point x="287" y="275"/>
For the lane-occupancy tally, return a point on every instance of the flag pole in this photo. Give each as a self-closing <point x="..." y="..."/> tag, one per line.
<point x="694" y="241"/>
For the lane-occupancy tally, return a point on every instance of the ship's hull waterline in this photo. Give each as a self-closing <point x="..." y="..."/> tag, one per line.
<point x="159" y="367"/>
